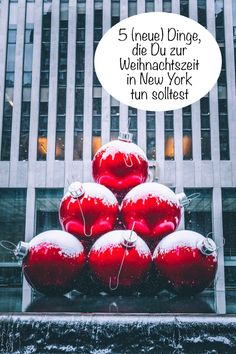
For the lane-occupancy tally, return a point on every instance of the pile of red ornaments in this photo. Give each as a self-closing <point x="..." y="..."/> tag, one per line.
<point x="112" y="227"/>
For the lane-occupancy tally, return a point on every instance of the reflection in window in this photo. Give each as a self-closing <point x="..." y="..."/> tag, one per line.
<point x="167" y="7"/>
<point x="187" y="133"/>
<point x="205" y="129"/>
<point x="229" y="220"/>
<point x="132" y="7"/>
<point x="198" y="215"/>
<point x="169" y="136"/>
<point x="132" y="121"/>
<point x="9" y="87"/>
<point x="115" y="12"/>
<point x="115" y="122"/>
<point x="184" y="8"/>
<point x="96" y="125"/>
<point x="44" y="84"/>
<point x="151" y="135"/>
<point x="12" y="218"/>
<point x="79" y="83"/>
<point x="47" y="206"/>
<point x="62" y="76"/>
<point x="202" y="17"/>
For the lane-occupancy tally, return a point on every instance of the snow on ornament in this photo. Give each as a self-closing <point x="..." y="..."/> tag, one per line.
<point x="120" y="165"/>
<point x="187" y="260"/>
<point x="154" y="208"/>
<point x="119" y="261"/>
<point x="52" y="261"/>
<point x="88" y="210"/>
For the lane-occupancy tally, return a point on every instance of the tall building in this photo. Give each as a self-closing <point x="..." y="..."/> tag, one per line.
<point x="54" y="115"/>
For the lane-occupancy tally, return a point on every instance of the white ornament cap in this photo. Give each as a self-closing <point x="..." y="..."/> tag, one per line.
<point x="183" y="199"/>
<point x="76" y="189"/>
<point x="207" y="246"/>
<point x="125" y="136"/>
<point x="129" y="238"/>
<point x="21" y="249"/>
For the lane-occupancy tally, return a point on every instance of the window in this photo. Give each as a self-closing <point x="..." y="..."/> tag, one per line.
<point x="132" y="8"/>
<point x="205" y="129"/>
<point x="219" y="11"/>
<point x="97" y="37"/>
<point x="184" y="8"/>
<point x="202" y="18"/>
<point x="198" y="215"/>
<point x="79" y="83"/>
<point x="9" y="87"/>
<point x="149" y="5"/>
<point x="224" y="130"/>
<point x="132" y="120"/>
<point x="151" y="135"/>
<point x="96" y="125"/>
<point x="47" y="206"/>
<point x="169" y="136"/>
<point x="229" y="220"/>
<point x="44" y="84"/>
<point x="115" y="122"/>
<point x="62" y="75"/>
<point x="187" y="133"/>
<point x="167" y="6"/>
<point x="115" y="12"/>
<point x="12" y="218"/>
<point x="26" y="94"/>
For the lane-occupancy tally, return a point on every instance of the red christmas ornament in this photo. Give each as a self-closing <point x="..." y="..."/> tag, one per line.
<point x="187" y="260"/>
<point x="120" y="165"/>
<point x="155" y="210"/>
<point x="88" y="210"/>
<point x="120" y="260"/>
<point x="52" y="261"/>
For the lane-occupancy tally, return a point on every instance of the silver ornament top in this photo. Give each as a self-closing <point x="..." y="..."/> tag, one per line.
<point x="21" y="250"/>
<point x="125" y="136"/>
<point x="76" y="189"/>
<point x="207" y="246"/>
<point x="129" y="238"/>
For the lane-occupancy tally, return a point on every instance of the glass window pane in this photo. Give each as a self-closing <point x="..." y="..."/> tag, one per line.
<point x="12" y="218"/>
<point x="198" y="215"/>
<point x="47" y="206"/>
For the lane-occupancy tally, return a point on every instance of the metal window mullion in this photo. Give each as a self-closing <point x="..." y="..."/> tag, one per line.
<point x="158" y="5"/>
<point x="70" y="90"/>
<point x="106" y="105"/>
<point x="16" y="114"/>
<point x="3" y="55"/>
<point x="230" y="75"/>
<point x="35" y="92"/>
<point x="123" y="107"/>
<point x="53" y="89"/>
<point x="88" y="92"/>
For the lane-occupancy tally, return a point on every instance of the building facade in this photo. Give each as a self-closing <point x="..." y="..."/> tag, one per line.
<point x="54" y="115"/>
